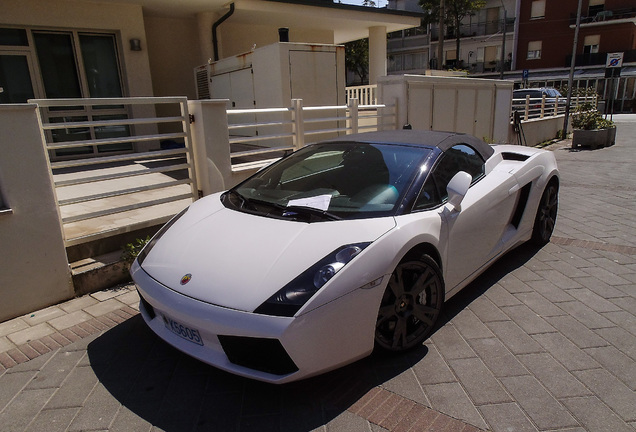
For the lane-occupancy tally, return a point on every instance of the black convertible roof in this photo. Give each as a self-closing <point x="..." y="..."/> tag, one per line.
<point x="441" y="140"/>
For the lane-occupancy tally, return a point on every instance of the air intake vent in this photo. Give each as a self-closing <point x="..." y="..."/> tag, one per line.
<point x="203" y="88"/>
<point x="514" y="156"/>
<point x="265" y="355"/>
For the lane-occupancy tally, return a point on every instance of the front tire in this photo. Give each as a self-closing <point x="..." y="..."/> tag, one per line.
<point x="410" y="305"/>
<point x="545" y="219"/>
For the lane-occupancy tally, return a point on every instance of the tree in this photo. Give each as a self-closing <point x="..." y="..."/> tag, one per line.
<point x="357" y="53"/>
<point x="357" y="58"/>
<point x="454" y="11"/>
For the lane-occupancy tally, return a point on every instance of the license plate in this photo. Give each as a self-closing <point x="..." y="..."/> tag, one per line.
<point x="183" y="331"/>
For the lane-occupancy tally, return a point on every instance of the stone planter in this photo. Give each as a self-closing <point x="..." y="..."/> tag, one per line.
<point x="611" y="137"/>
<point x="592" y="138"/>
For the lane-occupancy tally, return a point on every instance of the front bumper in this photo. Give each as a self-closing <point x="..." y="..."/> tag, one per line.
<point x="262" y="347"/>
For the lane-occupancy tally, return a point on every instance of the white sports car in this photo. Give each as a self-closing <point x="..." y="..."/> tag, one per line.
<point x="340" y="247"/>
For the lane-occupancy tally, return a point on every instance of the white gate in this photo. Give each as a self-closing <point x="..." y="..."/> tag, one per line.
<point x="118" y="173"/>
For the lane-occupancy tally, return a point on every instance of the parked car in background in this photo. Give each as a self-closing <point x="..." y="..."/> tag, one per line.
<point x="536" y="93"/>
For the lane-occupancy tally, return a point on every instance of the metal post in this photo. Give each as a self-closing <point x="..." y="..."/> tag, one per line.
<point x="353" y="115"/>
<point x="503" y="43"/>
<point x="572" y="65"/>
<point x="299" y="123"/>
<point x="440" y="46"/>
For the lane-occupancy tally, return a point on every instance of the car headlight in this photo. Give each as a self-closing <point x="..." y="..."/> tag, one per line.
<point x="146" y="250"/>
<point x="288" y="300"/>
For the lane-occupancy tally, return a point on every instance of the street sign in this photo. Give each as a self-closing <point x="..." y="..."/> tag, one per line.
<point x="614" y="60"/>
<point x="525" y="74"/>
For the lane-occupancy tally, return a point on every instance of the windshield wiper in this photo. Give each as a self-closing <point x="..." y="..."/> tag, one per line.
<point x="291" y="211"/>
<point x="324" y="214"/>
<point x="287" y="212"/>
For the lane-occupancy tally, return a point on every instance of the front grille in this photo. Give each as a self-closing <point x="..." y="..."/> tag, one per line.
<point x="265" y="355"/>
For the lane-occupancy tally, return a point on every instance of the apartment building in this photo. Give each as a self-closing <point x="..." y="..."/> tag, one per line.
<point x="545" y="44"/>
<point x="539" y="36"/>
<point x="546" y="32"/>
<point x="481" y="41"/>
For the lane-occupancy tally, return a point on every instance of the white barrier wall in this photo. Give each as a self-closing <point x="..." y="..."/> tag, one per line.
<point x="536" y="131"/>
<point x="34" y="271"/>
<point x="474" y="106"/>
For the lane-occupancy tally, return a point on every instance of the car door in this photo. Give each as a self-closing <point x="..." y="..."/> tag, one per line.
<point x="471" y="236"/>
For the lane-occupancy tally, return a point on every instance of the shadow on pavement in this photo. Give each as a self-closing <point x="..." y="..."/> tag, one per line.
<point x="509" y="262"/>
<point x="177" y="393"/>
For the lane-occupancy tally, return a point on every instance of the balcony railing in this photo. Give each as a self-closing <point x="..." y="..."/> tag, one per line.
<point x="605" y="15"/>
<point x="594" y="59"/>
<point x="482" y="28"/>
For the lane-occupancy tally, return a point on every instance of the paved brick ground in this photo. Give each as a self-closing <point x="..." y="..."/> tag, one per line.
<point x="544" y="340"/>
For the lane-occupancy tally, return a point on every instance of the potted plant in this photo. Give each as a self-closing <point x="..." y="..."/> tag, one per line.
<point x="591" y="129"/>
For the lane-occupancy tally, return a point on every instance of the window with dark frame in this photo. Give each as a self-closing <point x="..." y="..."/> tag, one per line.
<point x="460" y="157"/>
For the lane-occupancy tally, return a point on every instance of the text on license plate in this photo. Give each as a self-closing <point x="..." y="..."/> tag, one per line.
<point x="185" y="332"/>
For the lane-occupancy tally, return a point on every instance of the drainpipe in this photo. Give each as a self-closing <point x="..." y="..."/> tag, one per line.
<point x="215" y="42"/>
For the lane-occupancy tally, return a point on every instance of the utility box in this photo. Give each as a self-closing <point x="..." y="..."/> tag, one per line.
<point x="273" y="75"/>
<point x="475" y="106"/>
<point x="270" y="77"/>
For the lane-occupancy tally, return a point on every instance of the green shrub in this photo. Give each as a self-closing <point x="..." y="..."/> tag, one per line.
<point x="587" y="117"/>
<point x="131" y="250"/>
<point x="577" y="91"/>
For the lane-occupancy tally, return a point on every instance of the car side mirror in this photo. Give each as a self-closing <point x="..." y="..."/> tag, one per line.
<point x="457" y="189"/>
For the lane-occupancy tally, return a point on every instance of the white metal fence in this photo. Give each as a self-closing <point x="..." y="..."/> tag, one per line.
<point x="115" y="175"/>
<point x="534" y="108"/>
<point x="258" y="134"/>
<point x="366" y="94"/>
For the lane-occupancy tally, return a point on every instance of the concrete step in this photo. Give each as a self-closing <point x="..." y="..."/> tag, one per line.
<point x="98" y="264"/>
<point x="107" y="245"/>
<point x="98" y="273"/>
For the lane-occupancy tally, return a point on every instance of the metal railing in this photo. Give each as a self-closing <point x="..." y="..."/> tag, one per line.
<point x="258" y="134"/>
<point x="143" y="187"/>
<point x="535" y="108"/>
<point x="366" y="94"/>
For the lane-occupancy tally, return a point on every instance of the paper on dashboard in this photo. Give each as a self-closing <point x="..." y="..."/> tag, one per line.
<point x="320" y="202"/>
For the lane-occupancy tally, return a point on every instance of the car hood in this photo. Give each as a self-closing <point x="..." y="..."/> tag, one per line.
<point x="238" y="260"/>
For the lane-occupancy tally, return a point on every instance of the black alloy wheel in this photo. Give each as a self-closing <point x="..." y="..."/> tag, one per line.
<point x="410" y="305"/>
<point x="545" y="220"/>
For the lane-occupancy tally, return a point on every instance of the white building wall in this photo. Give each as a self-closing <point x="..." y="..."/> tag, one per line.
<point x="34" y="271"/>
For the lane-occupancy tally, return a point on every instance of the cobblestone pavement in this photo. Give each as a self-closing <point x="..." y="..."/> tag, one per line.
<point x="544" y="340"/>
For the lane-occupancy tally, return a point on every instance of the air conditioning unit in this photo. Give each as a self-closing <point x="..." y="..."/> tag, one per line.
<point x="202" y="80"/>
<point x="273" y="75"/>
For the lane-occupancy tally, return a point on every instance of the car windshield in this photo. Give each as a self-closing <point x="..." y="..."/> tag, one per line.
<point x="331" y="181"/>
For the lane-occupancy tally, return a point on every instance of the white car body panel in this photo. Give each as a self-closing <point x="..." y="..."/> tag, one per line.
<point x="271" y="250"/>
<point x="324" y="339"/>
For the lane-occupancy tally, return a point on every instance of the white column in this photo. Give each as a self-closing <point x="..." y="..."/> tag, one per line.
<point x="204" y="28"/>
<point x="211" y="145"/>
<point x="377" y="53"/>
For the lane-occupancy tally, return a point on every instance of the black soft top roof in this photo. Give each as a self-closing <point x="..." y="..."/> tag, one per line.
<point x="441" y="140"/>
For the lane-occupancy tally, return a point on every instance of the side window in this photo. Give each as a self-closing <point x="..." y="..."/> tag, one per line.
<point x="469" y="160"/>
<point x="460" y="157"/>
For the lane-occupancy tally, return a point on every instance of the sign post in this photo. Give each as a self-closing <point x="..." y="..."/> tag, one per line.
<point x="613" y="66"/>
